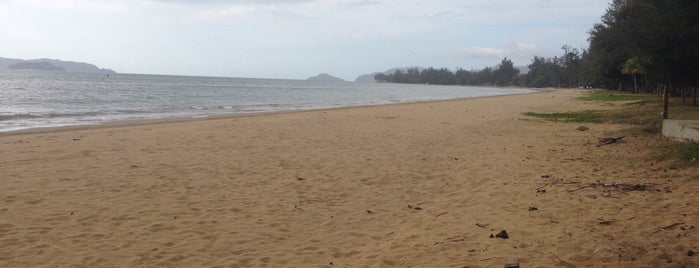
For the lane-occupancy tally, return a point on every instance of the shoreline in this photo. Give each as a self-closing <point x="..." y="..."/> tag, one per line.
<point x="182" y="119"/>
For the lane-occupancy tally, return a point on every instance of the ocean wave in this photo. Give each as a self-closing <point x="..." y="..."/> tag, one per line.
<point x="199" y="108"/>
<point x="17" y="116"/>
<point x="20" y="116"/>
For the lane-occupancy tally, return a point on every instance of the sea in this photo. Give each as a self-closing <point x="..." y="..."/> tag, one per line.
<point x="32" y="99"/>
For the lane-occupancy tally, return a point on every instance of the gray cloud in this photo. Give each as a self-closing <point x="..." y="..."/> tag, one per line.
<point x="516" y="50"/>
<point x="229" y="2"/>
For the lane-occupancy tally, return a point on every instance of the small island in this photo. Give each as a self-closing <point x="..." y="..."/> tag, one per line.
<point x="51" y="65"/>
<point x="325" y="77"/>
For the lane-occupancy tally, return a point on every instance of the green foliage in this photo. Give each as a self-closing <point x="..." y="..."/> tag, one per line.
<point x="606" y="95"/>
<point x="504" y="75"/>
<point x="658" y="38"/>
<point x="543" y="72"/>
<point x="632" y="66"/>
<point x="688" y="152"/>
<point x="683" y="154"/>
<point x="641" y="114"/>
<point x="643" y="102"/>
<point x="587" y="116"/>
<point x="568" y="70"/>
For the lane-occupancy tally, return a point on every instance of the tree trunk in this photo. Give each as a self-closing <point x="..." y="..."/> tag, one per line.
<point x="635" y="86"/>
<point x="646" y="88"/>
<point x="665" y="102"/>
<point x="694" y="95"/>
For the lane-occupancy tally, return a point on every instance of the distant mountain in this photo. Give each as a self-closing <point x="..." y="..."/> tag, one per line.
<point x="366" y="78"/>
<point x="324" y="77"/>
<point x="404" y="69"/>
<point x="51" y="64"/>
<point x="369" y="78"/>
<point x="34" y="65"/>
<point x="4" y="62"/>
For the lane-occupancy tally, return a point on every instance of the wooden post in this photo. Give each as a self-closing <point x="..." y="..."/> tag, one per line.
<point x="665" y="102"/>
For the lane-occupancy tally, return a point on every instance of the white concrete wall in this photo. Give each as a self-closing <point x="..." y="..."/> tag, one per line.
<point x="687" y="130"/>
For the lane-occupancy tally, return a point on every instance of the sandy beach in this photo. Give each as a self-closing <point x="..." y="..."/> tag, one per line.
<point x="408" y="185"/>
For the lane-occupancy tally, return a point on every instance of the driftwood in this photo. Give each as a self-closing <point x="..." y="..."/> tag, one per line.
<point x="618" y="186"/>
<point x="667" y="227"/>
<point x="624" y="186"/>
<point x="440" y="214"/>
<point x="483" y="225"/>
<point x="606" y="141"/>
<point x="564" y="263"/>
<point x="300" y="209"/>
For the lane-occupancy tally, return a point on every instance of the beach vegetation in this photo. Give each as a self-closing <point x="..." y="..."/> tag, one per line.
<point x="640" y="121"/>
<point x="688" y="152"/>
<point x="610" y="96"/>
<point x="681" y="154"/>
<point x="644" y="108"/>
<point x="567" y="70"/>
<point x="633" y="67"/>
<point x="640" y="113"/>
<point x="587" y="116"/>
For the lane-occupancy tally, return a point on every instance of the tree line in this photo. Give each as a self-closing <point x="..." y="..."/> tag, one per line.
<point x="642" y="46"/>
<point x="564" y="71"/>
<point x="504" y="74"/>
<point x="647" y="46"/>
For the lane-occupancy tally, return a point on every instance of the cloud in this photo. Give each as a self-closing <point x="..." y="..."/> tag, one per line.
<point x="479" y="52"/>
<point x="516" y="50"/>
<point x="68" y="5"/>
<point x="228" y="2"/>
<point x="227" y="12"/>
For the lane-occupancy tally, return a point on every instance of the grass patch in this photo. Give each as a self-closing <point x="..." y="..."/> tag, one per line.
<point x="642" y="111"/>
<point x="645" y="107"/>
<point x="688" y="152"/>
<point x="647" y="102"/>
<point x="620" y="116"/>
<point x="642" y="129"/>
<point x="684" y="154"/>
<point x="642" y="115"/>
<point x="608" y="95"/>
<point x="680" y="110"/>
<point x="588" y="116"/>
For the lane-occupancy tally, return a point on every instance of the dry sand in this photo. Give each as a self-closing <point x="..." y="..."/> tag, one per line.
<point x="410" y="185"/>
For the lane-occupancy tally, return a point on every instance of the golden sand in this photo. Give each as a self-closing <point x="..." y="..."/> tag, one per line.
<point x="409" y="185"/>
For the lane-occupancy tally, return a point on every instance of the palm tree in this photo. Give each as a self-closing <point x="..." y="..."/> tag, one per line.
<point x="633" y="67"/>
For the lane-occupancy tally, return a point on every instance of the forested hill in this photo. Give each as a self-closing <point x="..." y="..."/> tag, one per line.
<point x="51" y="64"/>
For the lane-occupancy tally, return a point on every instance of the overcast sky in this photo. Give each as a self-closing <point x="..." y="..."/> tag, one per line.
<point x="292" y="39"/>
